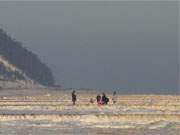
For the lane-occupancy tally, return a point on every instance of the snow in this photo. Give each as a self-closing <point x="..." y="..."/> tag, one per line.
<point x="12" y="67"/>
<point x="27" y="83"/>
<point x="43" y="112"/>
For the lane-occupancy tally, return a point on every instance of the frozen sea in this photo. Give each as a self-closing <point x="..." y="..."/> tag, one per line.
<point x="45" y="112"/>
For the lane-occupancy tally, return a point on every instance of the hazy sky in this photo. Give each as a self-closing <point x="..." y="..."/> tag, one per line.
<point x="106" y="45"/>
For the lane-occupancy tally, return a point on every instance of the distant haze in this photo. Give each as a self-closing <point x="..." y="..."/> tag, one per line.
<point x="103" y="45"/>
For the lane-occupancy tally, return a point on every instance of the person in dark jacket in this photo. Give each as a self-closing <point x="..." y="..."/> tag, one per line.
<point x="114" y="98"/>
<point x="98" y="99"/>
<point x="74" y="97"/>
<point x="105" y="100"/>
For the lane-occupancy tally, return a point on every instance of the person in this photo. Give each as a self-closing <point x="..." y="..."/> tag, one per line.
<point x="114" y="98"/>
<point x="98" y="99"/>
<point x="105" y="99"/>
<point x="91" y="101"/>
<point x="74" y="97"/>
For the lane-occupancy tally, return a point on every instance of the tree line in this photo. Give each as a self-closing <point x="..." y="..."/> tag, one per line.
<point x="25" y="60"/>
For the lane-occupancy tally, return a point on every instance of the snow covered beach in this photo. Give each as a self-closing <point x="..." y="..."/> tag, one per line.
<point x="47" y="112"/>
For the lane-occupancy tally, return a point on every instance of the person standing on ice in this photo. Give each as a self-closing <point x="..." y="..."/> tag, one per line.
<point x="74" y="97"/>
<point x="114" y="98"/>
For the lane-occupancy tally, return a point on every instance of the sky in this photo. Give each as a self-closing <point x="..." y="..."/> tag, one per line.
<point x="130" y="46"/>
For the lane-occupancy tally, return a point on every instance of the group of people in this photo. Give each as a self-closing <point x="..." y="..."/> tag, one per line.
<point x="101" y="100"/>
